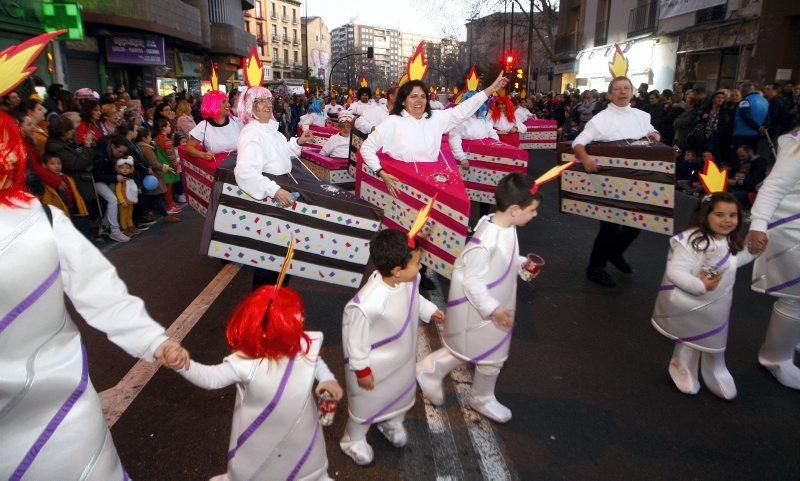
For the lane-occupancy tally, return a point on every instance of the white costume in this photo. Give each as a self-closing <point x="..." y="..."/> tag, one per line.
<point x="484" y="278"/>
<point x="332" y="110"/>
<point x="472" y="128"/>
<point x="336" y="146"/>
<point x="358" y="107"/>
<point x="615" y="123"/>
<point x="504" y="125"/>
<point x="218" y="138"/>
<point x="777" y="272"/>
<point x="522" y="114"/>
<point x="696" y="319"/>
<point x="50" y="415"/>
<point x="263" y="149"/>
<point x="276" y="433"/>
<point x="371" y="118"/>
<point x="435" y="104"/>
<point x="408" y="139"/>
<point x="379" y="332"/>
<point x="313" y="118"/>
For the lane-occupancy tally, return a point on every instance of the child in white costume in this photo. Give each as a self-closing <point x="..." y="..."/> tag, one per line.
<point x="694" y="300"/>
<point x="276" y="434"/>
<point x="338" y="146"/>
<point x="483" y="293"/>
<point x="379" y="337"/>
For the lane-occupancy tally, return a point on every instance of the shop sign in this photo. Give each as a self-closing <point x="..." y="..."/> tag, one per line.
<point x="20" y="16"/>
<point x="188" y="65"/>
<point x="564" y="68"/>
<point x="135" y="49"/>
<point x="673" y="8"/>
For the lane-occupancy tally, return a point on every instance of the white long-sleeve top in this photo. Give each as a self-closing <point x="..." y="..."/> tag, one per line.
<point x="355" y="332"/>
<point x="504" y="125"/>
<point x="371" y="118"/>
<point x="522" y="114"/>
<point x="333" y="109"/>
<point x="408" y="139"/>
<point x="436" y="105"/>
<point x="313" y="118"/>
<point x="359" y="107"/>
<point x="684" y="263"/>
<point x="336" y="146"/>
<point x="473" y="128"/>
<point x="262" y="149"/>
<point x="781" y="188"/>
<point x="615" y="123"/>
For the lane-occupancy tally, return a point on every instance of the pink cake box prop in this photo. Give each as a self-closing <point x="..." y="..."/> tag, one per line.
<point x="489" y="161"/>
<point x="320" y="134"/>
<point x="198" y="177"/>
<point x="541" y="134"/>
<point x="445" y="232"/>
<point x="329" y="169"/>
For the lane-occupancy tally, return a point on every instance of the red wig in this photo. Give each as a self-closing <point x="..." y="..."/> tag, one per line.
<point x="509" y="109"/>
<point x="211" y="105"/>
<point x="12" y="163"/>
<point x="259" y="329"/>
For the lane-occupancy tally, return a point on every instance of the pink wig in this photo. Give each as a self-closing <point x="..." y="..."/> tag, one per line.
<point x="211" y="106"/>
<point x="509" y="109"/>
<point x="245" y="107"/>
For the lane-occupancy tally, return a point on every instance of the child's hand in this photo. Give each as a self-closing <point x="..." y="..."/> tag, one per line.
<point x="164" y="167"/>
<point x="438" y="316"/>
<point x="503" y="317"/>
<point x="172" y="354"/>
<point x="366" y="382"/>
<point x="332" y="387"/>
<point x="123" y="204"/>
<point x="710" y="284"/>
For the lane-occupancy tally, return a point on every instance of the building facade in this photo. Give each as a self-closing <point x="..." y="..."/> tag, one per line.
<point x="316" y="48"/>
<point x="276" y="26"/>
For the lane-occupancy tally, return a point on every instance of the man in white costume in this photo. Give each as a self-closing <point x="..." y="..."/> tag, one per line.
<point x="435" y="103"/>
<point x="364" y="102"/>
<point x="775" y="227"/>
<point x="373" y="116"/>
<point x="338" y="145"/>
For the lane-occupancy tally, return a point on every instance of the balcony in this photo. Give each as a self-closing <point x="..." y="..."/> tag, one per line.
<point x="285" y="39"/>
<point x="642" y="19"/>
<point x="294" y="20"/>
<point x="566" y="43"/>
<point x="273" y="15"/>
<point x="712" y="14"/>
<point x="262" y="40"/>
<point x="600" y="33"/>
<point x="285" y="18"/>
<point x="295" y="41"/>
<point x="276" y="61"/>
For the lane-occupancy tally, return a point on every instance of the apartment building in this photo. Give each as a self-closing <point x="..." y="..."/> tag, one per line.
<point x="316" y="47"/>
<point x="276" y="24"/>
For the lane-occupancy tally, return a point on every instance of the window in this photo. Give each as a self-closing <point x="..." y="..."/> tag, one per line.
<point x="285" y="32"/>
<point x="284" y="10"/>
<point x="294" y="15"/>
<point x="294" y="34"/>
<point x="285" y="56"/>
<point x="274" y="30"/>
<point x="258" y="9"/>
<point x="295" y="57"/>
<point x="274" y="54"/>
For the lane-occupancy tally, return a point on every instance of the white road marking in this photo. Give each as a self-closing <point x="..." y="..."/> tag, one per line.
<point x="118" y="398"/>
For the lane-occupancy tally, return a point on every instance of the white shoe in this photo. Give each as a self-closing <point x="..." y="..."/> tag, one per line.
<point x="683" y="369"/>
<point x="359" y="451"/>
<point x="777" y="353"/>
<point x="119" y="236"/>
<point x="395" y="432"/>
<point x="482" y="397"/>
<point x="716" y="375"/>
<point x="180" y="198"/>
<point x="432" y="370"/>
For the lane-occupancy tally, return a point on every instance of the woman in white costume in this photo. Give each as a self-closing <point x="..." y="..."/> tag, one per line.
<point x="775" y="227"/>
<point x="276" y="433"/>
<point x="315" y="115"/>
<point x="694" y="300"/>
<point x="219" y="132"/>
<point x="505" y="121"/>
<point x="50" y="415"/>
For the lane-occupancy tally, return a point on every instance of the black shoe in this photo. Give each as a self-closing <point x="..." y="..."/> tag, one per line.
<point x="426" y="284"/>
<point x="600" y="276"/>
<point x="621" y="264"/>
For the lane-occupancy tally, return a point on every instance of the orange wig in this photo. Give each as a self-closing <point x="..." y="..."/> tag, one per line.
<point x="12" y="163"/>
<point x="509" y="109"/>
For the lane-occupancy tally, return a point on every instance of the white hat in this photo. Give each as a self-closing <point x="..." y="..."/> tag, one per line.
<point x="346" y="116"/>
<point x="125" y="160"/>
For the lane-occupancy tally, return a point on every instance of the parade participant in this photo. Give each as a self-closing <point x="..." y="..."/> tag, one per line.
<point x="372" y="117"/>
<point x="412" y="132"/>
<point x="694" y="301"/>
<point x="435" y="103"/>
<point x="262" y="149"/>
<point x="218" y="132"/>
<point x="364" y="95"/>
<point x="617" y="122"/>
<point x="506" y="123"/>
<point x="315" y="115"/>
<point x="338" y="145"/>
<point x="775" y="226"/>
<point x="522" y="113"/>
<point x="332" y="109"/>
<point x="276" y="432"/>
<point x="51" y="418"/>
<point x="475" y="127"/>
<point x="482" y="299"/>
<point x="379" y="337"/>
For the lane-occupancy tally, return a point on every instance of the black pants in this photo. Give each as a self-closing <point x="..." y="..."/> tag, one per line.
<point x="611" y="242"/>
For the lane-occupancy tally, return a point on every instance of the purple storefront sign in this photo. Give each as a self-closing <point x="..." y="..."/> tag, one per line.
<point x="135" y="49"/>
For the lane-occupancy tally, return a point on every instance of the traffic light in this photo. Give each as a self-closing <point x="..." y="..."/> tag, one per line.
<point x="509" y="63"/>
<point x="520" y="73"/>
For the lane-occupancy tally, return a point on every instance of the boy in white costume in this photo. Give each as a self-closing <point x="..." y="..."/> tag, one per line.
<point x="776" y="227"/>
<point x="379" y="336"/>
<point x="480" y="307"/>
<point x="338" y="145"/>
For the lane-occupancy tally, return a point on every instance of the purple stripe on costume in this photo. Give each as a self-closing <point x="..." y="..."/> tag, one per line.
<point x="305" y="455"/>
<point x="258" y="421"/>
<point x="356" y="299"/>
<point x="30" y="299"/>
<point x="722" y="261"/>
<point x="125" y="476"/>
<point x="666" y="287"/>
<point x="703" y="335"/>
<point x="402" y="330"/>
<point x="396" y="400"/>
<point x="475" y="240"/>
<point x="680" y="236"/>
<point x="488" y="353"/>
<point x="783" y="286"/>
<point x="492" y="284"/>
<point x="55" y="421"/>
<point x="783" y="221"/>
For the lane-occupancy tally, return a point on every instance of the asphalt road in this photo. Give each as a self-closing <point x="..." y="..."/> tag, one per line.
<point x="586" y="380"/>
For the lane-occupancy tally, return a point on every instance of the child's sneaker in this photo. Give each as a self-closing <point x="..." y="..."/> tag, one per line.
<point x="395" y="432"/>
<point x="180" y="198"/>
<point x="174" y="210"/>
<point x="119" y="236"/>
<point x="359" y="451"/>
